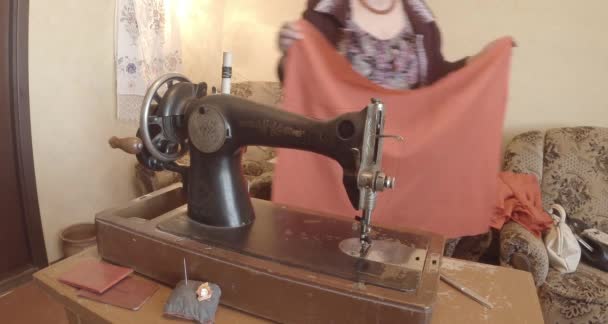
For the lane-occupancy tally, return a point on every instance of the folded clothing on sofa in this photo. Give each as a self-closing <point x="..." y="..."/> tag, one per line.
<point x="519" y="200"/>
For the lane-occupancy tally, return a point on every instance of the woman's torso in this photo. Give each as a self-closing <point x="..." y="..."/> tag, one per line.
<point x="382" y="47"/>
<point x="408" y="58"/>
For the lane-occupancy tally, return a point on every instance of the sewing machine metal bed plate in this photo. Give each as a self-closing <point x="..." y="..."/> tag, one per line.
<point x="288" y="269"/>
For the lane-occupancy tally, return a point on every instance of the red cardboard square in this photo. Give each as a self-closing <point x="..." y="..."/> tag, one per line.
<point x="94" y="275"/>
<point x="129" y="293"/>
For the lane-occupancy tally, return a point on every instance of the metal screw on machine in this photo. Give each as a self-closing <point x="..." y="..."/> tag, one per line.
<point x="383" y="182"/>
<point x="389" y="182"/>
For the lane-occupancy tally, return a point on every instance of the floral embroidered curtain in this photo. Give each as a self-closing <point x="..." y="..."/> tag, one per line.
<point x="147" y="46"/>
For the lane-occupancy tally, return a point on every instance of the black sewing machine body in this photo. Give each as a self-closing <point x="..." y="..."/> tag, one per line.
<point x="220" y="126"/>
<point x="248" y="244"/>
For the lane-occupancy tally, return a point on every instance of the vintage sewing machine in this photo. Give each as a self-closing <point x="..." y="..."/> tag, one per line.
<point x="277" y="262"/>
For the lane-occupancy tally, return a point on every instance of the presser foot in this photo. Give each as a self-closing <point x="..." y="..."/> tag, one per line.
<point x="366" y="244"/>
<point x="365" y="241"/>
<point x="365" y="247"/>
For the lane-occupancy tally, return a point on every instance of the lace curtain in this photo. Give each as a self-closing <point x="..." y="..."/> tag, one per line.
<point x="147" y="46"/>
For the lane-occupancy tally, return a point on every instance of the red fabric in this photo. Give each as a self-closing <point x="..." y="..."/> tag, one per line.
<point x="446" y="168"/>
<point x="519" y="200"/>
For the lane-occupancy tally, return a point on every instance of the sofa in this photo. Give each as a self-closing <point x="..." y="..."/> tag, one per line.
<point x="571" y="165"/>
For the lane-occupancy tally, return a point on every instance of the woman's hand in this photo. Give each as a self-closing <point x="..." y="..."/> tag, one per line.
<point x="288" y="34"/>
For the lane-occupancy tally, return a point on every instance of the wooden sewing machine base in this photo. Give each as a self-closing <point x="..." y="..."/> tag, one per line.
<point x="286" y="267"/>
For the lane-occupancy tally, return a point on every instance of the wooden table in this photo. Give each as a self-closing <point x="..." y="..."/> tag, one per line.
<point x="511" y="291"/>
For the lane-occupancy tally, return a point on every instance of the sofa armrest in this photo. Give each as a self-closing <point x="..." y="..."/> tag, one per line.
<point x="522" y="250"/>
<point x="524" y="154"/>
<point x="148" y="181"/>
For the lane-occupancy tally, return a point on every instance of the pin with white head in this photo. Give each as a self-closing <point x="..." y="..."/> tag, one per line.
<point x="226" y="73"/>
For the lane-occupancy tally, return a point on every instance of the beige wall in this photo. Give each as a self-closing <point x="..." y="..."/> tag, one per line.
<point x="201" y="23"/>
<point x="560" y="67"/>
<point x="73" y="114"/>
<point x="250" y="33"/>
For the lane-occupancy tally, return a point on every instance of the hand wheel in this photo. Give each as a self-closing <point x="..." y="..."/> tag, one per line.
<point x="155" y="129"/>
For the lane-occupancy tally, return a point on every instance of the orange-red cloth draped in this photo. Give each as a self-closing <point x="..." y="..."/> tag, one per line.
<point x="447" y="167"/>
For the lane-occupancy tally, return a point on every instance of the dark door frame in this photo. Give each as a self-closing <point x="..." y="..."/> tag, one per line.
<point x="20" y="107"/>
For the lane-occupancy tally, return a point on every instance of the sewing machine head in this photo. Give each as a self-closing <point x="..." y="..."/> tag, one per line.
<point x="256" y="246"/>
<point x="178" y="116"/>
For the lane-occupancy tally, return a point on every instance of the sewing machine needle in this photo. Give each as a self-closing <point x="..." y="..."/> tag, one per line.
<point x="473" y="295"/>
<point x="365" y="247"/>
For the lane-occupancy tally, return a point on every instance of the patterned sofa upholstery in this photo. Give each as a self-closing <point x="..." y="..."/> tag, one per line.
<point x="571" y="165"/>
<point x="257" y="161"/>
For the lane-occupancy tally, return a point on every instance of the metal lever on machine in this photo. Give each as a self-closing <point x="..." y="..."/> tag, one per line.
<point x="395" y="137"/>
<point x="130" y="145"/>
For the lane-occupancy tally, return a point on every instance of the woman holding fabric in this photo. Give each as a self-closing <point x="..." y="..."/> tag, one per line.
<point x="396" y="45"/>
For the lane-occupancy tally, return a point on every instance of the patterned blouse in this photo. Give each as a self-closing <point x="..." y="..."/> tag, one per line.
<point x="411" y="59"/>
<point x="395" y="63"/>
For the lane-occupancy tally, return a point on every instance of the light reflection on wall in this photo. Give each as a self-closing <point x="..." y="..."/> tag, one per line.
<point x="201" y="23"/>
<point x="250" y="32"/>
<point x="247" y="28"/>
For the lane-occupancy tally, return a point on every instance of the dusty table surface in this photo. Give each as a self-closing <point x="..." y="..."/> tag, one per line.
<point x="512" y="293"/>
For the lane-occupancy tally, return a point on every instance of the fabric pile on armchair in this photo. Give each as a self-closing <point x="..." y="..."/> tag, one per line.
<point x="519" y="200"/>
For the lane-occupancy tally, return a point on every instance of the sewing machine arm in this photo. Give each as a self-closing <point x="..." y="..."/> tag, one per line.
<point x="220" y="126"/>
<point x="215" y="129"/>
